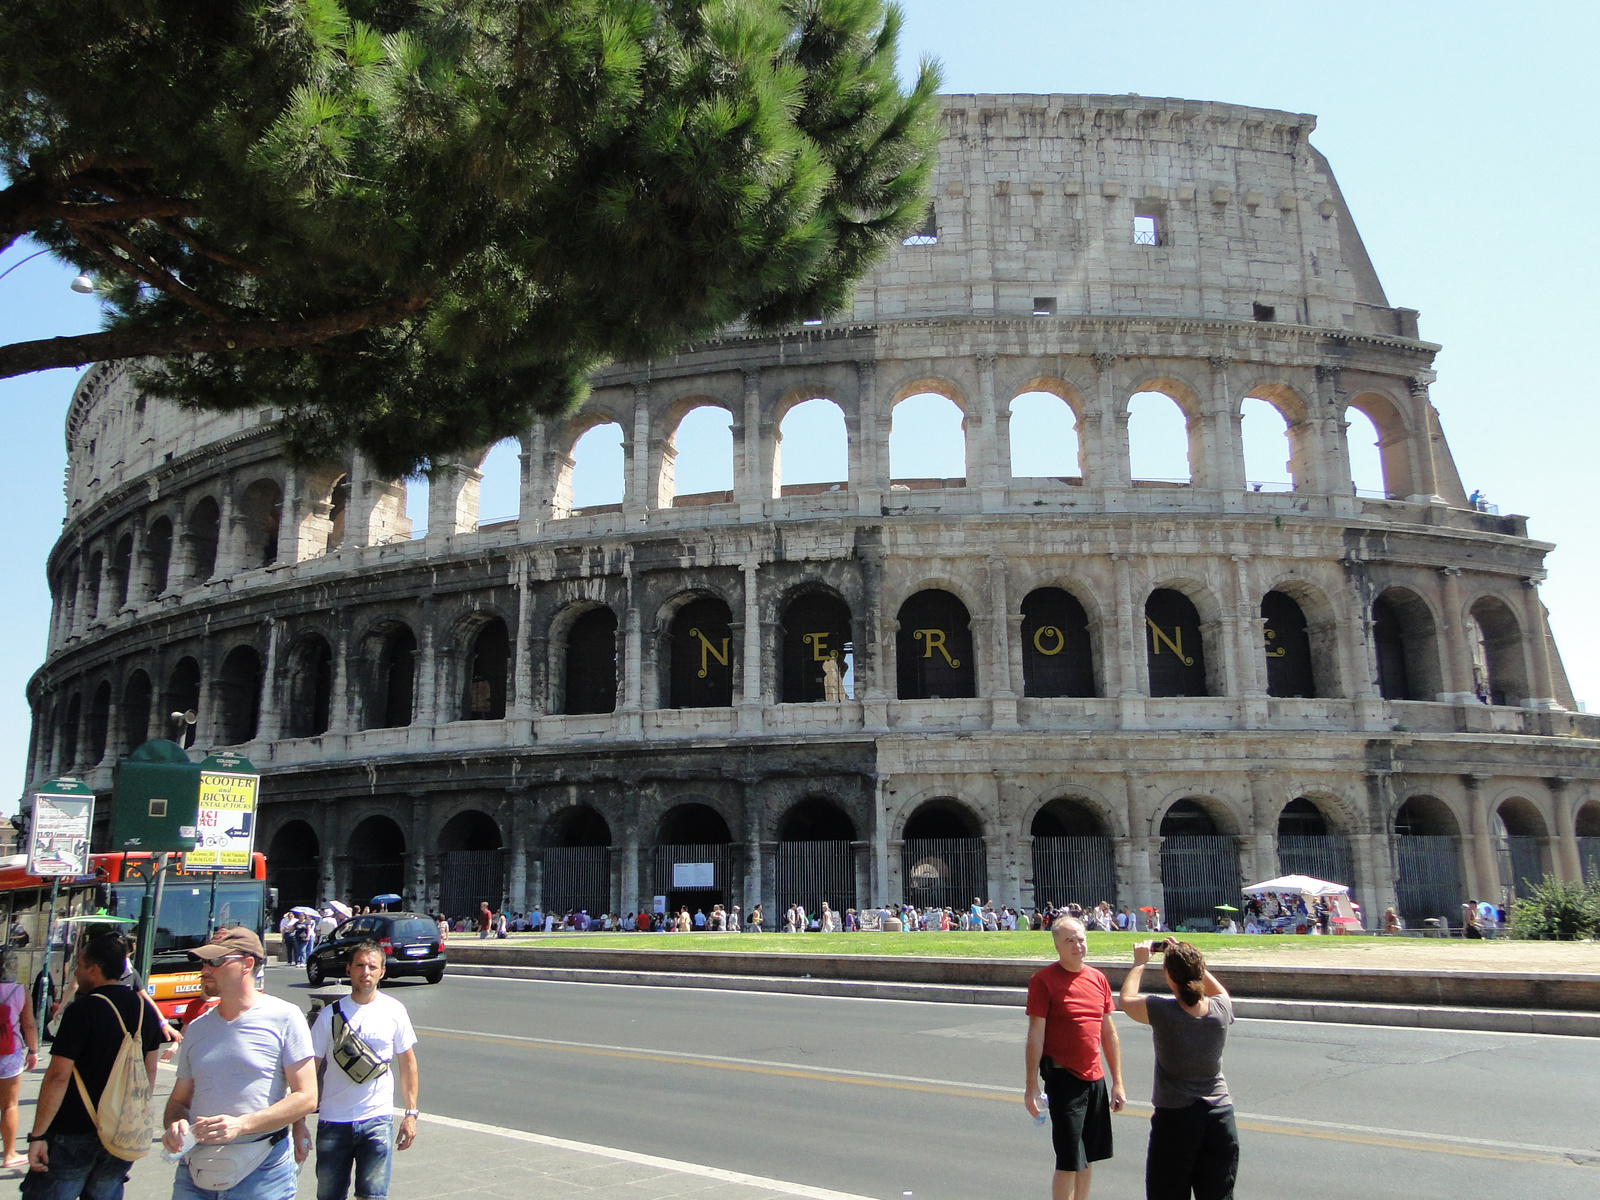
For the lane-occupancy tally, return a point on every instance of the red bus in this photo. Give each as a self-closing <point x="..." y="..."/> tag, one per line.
<point x="192" y="905"/>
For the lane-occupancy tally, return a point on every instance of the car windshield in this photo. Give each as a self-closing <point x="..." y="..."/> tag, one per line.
<point x="415" y="930"/>
<point x="189" y="913"/>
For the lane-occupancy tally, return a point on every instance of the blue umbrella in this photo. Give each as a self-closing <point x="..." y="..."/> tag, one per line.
<point x="386" y="898"/>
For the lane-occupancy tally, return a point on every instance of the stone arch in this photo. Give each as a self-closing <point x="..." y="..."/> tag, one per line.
<point x="259" y="522"/>
<point x="692" y="823"/>
<point x="576" y="867"/>
<point x="584" y="653"/>
<point x="138" y="697"/>
<point x="1323" y="632"/>
<point x="1424" y="815"/>
<point x="203" y="532"/>
<point x="815" y="859"/>
<point x="1586" y="827"/>
<point x="591" y="476"/>
<point x="699" y="652"/>
<point x="1427" y="860"/>
<point x="1176" y="650"/>
<point x="471" y="862"/>
<point x="817" y="658"/>
<point x="158" y="556"/>
<point x="310" y="687"/>
<point x="943" y="862"/>
<point x="1499" y="652"/>
<point x="97" y="721"/>
<point x="1526" y="855"/>
<point x="93" y="570"/>
<point x="577" y="826"/>
<point x="1132" y="416"/>
<point x="1040" y="448"/>
<point x="388" y="676"/>
<point x="325" y="492"/>
<point x="377" y="852"/>
<point x="821" y="439"/>
<point x="1297" y="434"/>
<point x="707" y="459"/>
<point x="1199" y="860"/>
<point x="1291" y="666"/>
<point x="1057" y="648"/>
<point x="1311" y="841"/>
<point x="1394" y="440"/>
<point x="238" y="696"/>
<point x="486" y="667"/>
<point x="121" y="571"/>
<point x="1069" y="816"/>
<point x="183" y="695"/>
<point x="1074" y="856"/>
<point x="294" y="862"/>
<point x="934" y="647"/>
<point x="71" y="724"/>
<point x="498" y="486"/>
<point x="1195" y="813"/>
<point x="921" y="438"/>
<point x="1405" y="637"/>
<point x="816" y="819"/>
<point x="700" y="834"/>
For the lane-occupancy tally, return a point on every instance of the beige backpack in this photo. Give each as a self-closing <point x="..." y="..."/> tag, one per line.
<point x="122" y="1118"/>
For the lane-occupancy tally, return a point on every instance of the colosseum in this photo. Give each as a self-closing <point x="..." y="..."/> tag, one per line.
<point x="1080" y="687"/>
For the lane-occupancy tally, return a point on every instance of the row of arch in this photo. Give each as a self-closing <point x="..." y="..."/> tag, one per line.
<point x="817" y="847"/>
<point x="817" y="632"/>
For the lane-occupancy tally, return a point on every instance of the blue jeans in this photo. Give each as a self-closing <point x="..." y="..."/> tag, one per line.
<point x="272" y="1180"/>
<point x="364" y="1144"/>
<point x="79" y="1166"/>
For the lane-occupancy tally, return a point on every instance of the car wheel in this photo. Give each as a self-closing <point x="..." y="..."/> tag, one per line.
<point x="314" y="972"/>
<point x="435" y="975"/>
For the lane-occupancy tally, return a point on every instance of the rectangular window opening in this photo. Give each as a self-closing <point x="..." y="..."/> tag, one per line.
<point x="1044" y="306"/>
<point x="1144" y="231"/>
<point x="1265" y="312"/>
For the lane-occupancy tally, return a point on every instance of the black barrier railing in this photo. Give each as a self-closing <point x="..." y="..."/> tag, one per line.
<point x="1428" y="879"/>
<point x="944" y="872"/>
<point x="811" y="873"/>
<point x="1074" y="870"/>
<point x="576" y="878"/>
<point x="1199" y="872"/>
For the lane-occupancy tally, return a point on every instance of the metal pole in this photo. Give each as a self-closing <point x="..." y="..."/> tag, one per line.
<point x="211" y="908"/>
<point x="49" y="931"/>
<point x="149" y="914"/>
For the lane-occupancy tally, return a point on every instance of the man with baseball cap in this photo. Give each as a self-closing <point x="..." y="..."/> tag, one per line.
<point x="245" y="1074"/>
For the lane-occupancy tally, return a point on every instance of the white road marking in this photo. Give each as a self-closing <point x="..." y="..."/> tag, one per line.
<point x="781" y="1186"/>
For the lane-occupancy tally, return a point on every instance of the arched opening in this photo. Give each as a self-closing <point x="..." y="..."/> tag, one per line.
<point x="943" y="863"/>
<point x="816" y="862"/>
<point x="294" y="863"/>
<point x="927" y="443"/>
<point x="419" y="494"/>
<point x="698" y="462"/>
<point x="1307" y="845"/>
<point x="488" y="666"/>
<point x="69" y="601"/>
<point x="1199" y="866"/>
<point x="591" y="663"/>
<point x="183" y="695"/>
<point x="1375" y="416"/>
<point x="818" y="650"/>
<point x="1524" y="851"/>
<point x="391" y="678"/>
<point x="693" y="858"/>
<point x="701" y="655"/>
<point x="261" y="512"/>
<point x="91" y="584"/>
<point x="1366" y="456"/>
<point x="377" y="852"/>
<point x="1499" y="666"/>
<point x="1044" y="439"/>
<point x="933" y="648"/>
<point x="121" y="571"/>
<point x="1427" y="861"/>
<point x="1074" y="858"/>
<point x="1407" y="648"/>
<point x="1268" y="452"/>
<point x="813" y="450"/>
<point x="94" y="728"/>
<point x="338" y="511"/>
<point x="1174" y="648"/>
<point x="69" y="735"/>
<point x="204" y="533"/>
<point x="238" y="696"/>
<point x="310" y="688"/>
<point x="1587" y="826"/>
<point x="577" y="863"/>
<point x="1056" y="656"/>
<point x="471" y="866"/>
<point x="597" y="481"/>
<point x="500" y="485"/>
<point x="1158" y="441"/>
<point x="1290" y="670"/>
<point x="158" y="554"/>
<point x="134" y="713"/>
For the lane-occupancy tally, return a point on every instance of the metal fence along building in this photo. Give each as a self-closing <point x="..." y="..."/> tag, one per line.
<point x="1076" y="685"/>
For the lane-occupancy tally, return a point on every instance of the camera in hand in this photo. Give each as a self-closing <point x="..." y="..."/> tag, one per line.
<point x="1159" y="947"/>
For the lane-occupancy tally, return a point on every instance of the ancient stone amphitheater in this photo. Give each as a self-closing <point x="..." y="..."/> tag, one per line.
<point x="1027" y="689"/>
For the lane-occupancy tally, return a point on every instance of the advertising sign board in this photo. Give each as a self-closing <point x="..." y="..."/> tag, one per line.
<point x="226" y="815"/>
<point x="58" y="838"/>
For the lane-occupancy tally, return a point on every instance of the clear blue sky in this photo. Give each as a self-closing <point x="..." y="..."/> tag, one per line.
<point x="1459" y="134"/>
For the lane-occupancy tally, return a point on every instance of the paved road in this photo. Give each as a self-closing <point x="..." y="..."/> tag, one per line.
<point x="884" y="1098"/>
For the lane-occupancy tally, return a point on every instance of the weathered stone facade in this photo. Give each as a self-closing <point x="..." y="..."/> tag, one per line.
<point x="438" y="715"/>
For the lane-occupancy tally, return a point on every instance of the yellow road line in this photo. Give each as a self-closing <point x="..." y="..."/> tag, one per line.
<point x="1395" y="1142"/>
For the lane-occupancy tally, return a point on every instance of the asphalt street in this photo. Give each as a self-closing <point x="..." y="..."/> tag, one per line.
<point x="889" y="1099"/>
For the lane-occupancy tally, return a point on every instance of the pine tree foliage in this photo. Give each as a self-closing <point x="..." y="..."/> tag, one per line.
<point x="415" y="224"/>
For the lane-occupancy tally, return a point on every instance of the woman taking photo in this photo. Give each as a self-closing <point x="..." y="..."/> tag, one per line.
<point x="1194" y="1144"/>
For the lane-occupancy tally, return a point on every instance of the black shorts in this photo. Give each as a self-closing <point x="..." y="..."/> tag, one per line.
<point x="1080" y="1118"/>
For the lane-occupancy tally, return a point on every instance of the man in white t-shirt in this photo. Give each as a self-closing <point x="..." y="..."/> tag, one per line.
<point x="355" y="1121"/>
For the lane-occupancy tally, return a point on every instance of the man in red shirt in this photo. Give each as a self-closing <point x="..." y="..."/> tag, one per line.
<point x="1069" y="1024"/>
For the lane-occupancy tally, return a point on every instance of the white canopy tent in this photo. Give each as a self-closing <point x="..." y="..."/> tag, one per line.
<point x="1302" y="884"/>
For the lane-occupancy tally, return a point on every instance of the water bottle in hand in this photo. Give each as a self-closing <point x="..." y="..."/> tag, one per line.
<point x="1044" y="1110"/>
<point x="189" y="1143"/>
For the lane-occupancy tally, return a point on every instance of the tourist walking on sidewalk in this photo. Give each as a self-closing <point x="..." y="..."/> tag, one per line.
<point x="1194" y="1144"/>
<point x="363" y="1044"/>
<point x="19" y="1051"/>
<point x="1069" y="1027"/>
<point x="245" y="1074"/>
<point x="65" y="1156"/>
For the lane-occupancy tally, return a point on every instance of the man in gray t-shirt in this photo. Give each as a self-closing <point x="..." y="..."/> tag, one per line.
<point x="245" y="1073"/>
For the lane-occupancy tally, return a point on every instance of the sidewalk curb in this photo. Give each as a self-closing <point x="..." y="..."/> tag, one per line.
<point x="1411" y="1016"/>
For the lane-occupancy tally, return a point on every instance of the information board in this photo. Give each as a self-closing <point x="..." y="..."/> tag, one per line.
<point x="225" y="823"/>
<point x="694" y="875"/>
<point x="58" y="838"/>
